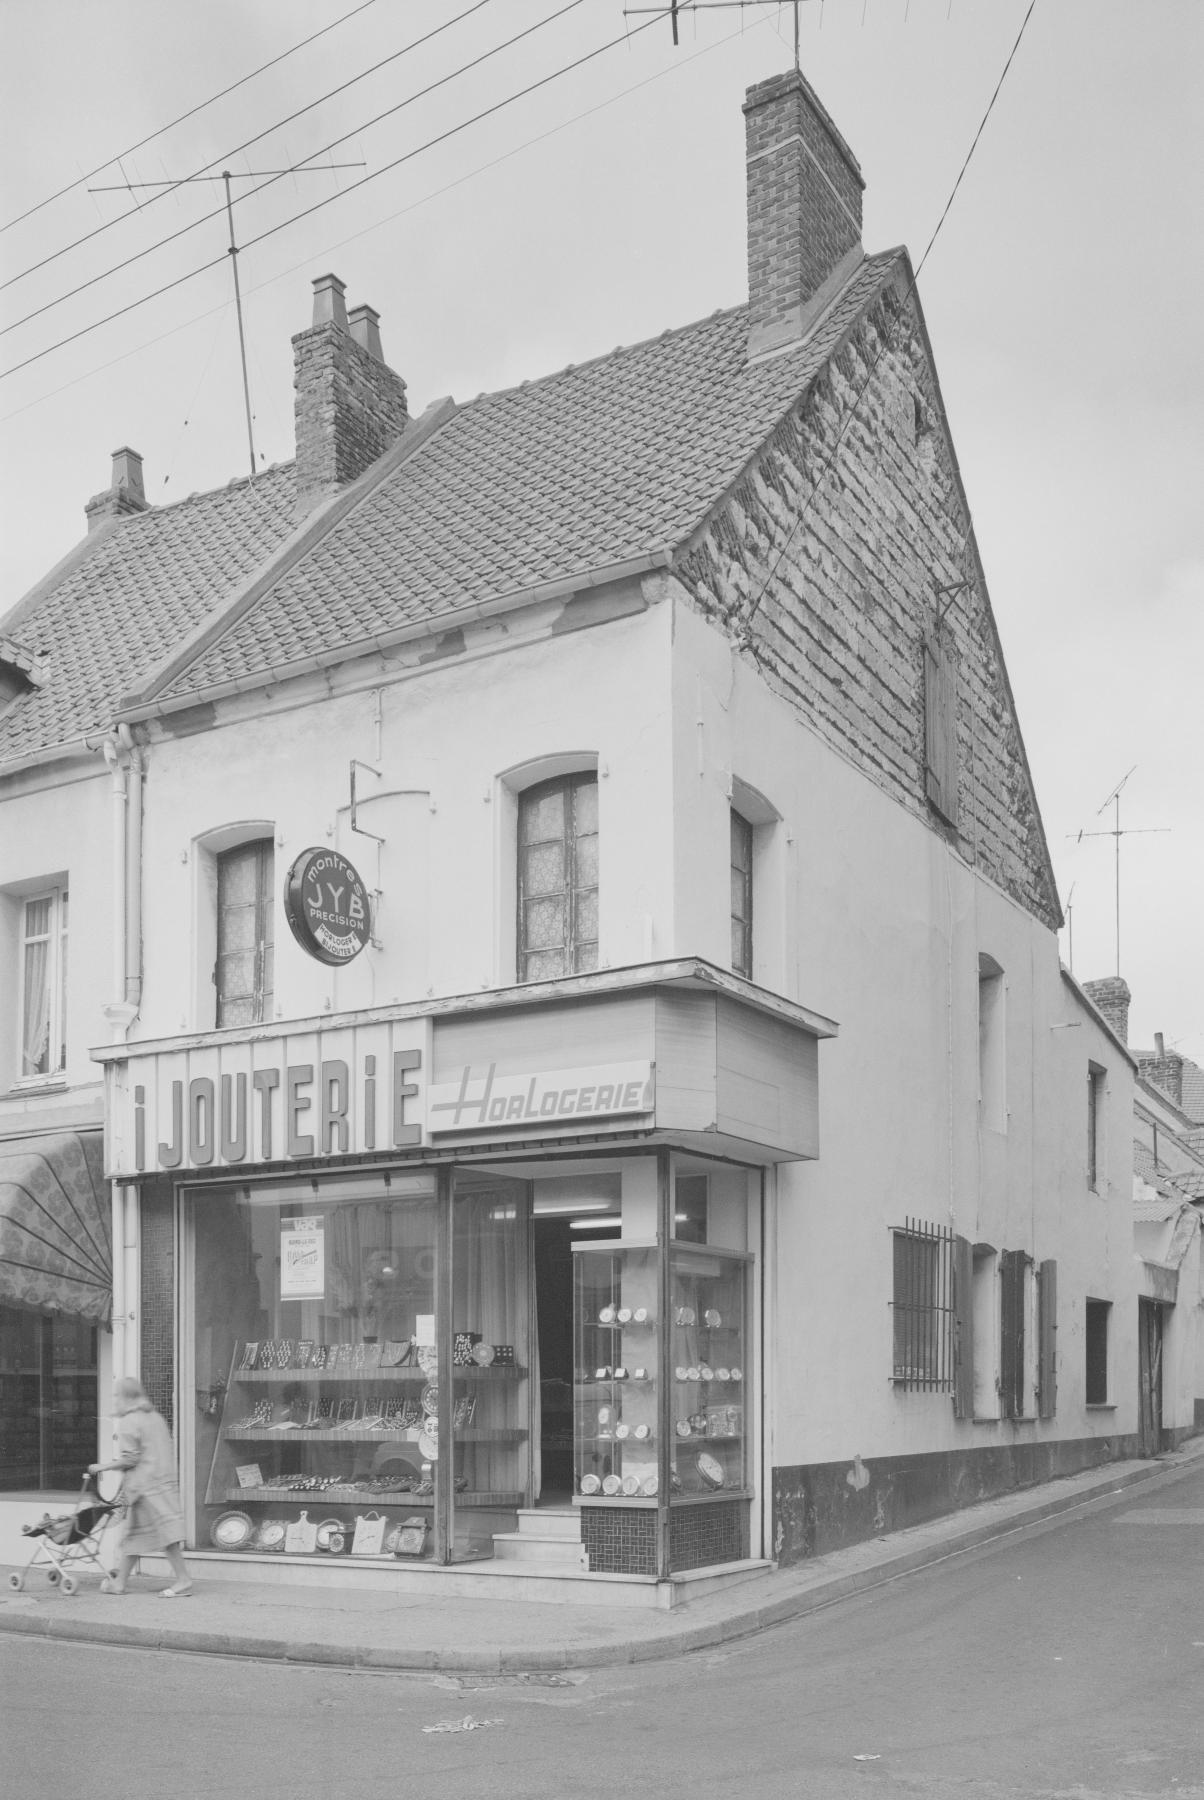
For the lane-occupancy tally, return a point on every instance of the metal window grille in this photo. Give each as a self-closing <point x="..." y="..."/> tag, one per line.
<point x="922" y="1307"/>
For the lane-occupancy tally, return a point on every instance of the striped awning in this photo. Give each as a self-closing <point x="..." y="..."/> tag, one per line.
<point x="56" y="1244"/>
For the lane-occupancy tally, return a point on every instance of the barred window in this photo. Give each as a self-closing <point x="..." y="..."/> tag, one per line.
<point x="922" y="1306"/>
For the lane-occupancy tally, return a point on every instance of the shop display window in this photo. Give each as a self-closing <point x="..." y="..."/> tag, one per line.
<point x="617" y="1375"/>
<point x="709" y="1376"/>
<point x="48" y="1398"/>
<point x="353" y="1396"/>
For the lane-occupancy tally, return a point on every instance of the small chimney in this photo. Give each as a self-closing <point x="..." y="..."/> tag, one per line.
<point x="350" y="406"/>
<point x="125" y="495"/>
<point x="1164" y="1068"/>
<point x="1111" y="996"/>
<point x="804" y="207"/>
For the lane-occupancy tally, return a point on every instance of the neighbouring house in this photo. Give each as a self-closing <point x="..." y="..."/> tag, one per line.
<point x="595" y="1084"/>
<point x="1168" y="1202"/>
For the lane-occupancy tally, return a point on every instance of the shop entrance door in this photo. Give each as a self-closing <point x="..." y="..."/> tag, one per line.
<point x="554" y="1313"/>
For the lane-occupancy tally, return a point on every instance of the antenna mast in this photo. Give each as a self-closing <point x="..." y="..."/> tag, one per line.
<point x="1117" y="833"/>
<point x="227" y="176"/>
<point x="675" y="8"/>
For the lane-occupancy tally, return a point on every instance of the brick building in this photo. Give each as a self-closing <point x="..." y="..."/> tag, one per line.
<point x="599" y="1089"/>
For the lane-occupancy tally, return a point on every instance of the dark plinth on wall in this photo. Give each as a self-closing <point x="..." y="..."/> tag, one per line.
<point x="621" y="1540"/>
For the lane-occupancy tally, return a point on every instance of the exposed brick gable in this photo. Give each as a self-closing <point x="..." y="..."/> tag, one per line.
<point x="838" y="625"/>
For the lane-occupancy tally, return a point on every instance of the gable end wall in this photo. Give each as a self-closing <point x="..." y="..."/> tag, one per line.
<point x="839" y="630"/>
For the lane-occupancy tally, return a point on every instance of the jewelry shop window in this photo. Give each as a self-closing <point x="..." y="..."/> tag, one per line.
<point x="337" y="1411"/>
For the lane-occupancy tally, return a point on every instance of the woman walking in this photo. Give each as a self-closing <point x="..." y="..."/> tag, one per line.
<point x="154" y="1520"/>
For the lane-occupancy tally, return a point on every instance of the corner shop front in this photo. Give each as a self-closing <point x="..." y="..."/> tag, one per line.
<point x="404" y="1273"/>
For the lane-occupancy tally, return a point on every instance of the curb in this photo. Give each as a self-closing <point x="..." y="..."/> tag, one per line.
<point x="815" y="1591"/>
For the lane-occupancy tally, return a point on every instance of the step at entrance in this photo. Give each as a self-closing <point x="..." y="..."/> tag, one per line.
<point x="548" y="1538"/>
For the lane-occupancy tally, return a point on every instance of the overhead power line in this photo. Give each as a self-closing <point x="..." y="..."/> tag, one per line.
<point x="397" y="162"/>
<point x="225" y="157"/>
<point x="356" y="131"/>
<point x="190" y="114"/>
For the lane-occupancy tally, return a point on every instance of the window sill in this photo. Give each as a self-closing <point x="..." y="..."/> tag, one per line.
<point x="1100" y="1405"/>
<point x="48" y="1084"/>
<point x="985" y="1419"/>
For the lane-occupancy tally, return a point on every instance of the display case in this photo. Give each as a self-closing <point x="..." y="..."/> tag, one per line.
<point x="707" y="1365"/>
<point x="617" y="1386"/>
<point x="659" y="1403"/>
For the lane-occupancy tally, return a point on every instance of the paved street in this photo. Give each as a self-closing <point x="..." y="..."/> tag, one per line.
<point x="1068" y="1663"/>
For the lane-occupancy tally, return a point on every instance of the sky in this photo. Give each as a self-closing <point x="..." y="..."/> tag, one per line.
<point x="503" y="234"/>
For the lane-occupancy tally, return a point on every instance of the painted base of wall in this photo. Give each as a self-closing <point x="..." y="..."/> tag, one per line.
<point x="818" y="1507"/>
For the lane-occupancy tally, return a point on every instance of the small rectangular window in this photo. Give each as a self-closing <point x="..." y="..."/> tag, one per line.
<point x="742" y="895"/>
<point x="922" y="1306"/>
<point x="1095" y="1125"/>
<point x="558" y="878"/>
<point x="1098" y="1312"/>
<point x="940" y="726"/>
<point x="245" y="947"/>
<point x="43" y="1024"/>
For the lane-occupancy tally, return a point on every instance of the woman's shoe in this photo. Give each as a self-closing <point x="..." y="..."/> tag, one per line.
<point x="176" y="1591"/>
<point x="109" y="1586"/>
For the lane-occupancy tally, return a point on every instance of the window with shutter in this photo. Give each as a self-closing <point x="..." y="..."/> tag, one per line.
<point x="940" y="727"/>
<point x="922" y="1306"/>
<point x="1013" y="1268"/>
<point x="1047" y="1339"/>
<point x="963" y="1328"/>
<point x="1097" y="1318"/>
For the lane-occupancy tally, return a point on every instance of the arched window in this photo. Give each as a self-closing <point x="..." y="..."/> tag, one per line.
<point x="558" y="877"/>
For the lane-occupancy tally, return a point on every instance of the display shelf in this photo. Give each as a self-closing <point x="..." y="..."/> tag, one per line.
<point x="299" y="1434"/>
<point x="352" y="1496"/>
<point x="460" y="1372"/>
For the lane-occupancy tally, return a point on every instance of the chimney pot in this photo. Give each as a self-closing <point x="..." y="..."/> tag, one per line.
<point x="804" y="208"/>
<point x="330" y="307"/>
<point x="127" y="473"/>
<point x="125" y="493"/>
<point x="1159" y="1044"/>
<point x="364" y="322"/>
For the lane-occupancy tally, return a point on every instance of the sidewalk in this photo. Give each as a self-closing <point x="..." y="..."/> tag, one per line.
<point x="370" y="1630"/>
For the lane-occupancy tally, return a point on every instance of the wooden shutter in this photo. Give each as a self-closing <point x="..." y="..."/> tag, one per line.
<point x="1047" y="1339"/>
<point x="1011" y="1342"/>
<point x="940" y="727"/>
<point x="963" y="1328"/>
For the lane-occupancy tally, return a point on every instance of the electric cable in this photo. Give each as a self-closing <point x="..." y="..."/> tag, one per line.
<point x="226" y="156"/>
<point x="851" y="413"/>
<point x="191" y="113"/>
<point x="388" y="219"/>
<point x="430" y="143"/>
<point x="250" y="193"/>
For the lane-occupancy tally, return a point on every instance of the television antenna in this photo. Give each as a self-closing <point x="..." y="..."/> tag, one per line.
<point x="1117" y="833"/>
<point x="227" y="176"/>
<point x="675" y="8"/>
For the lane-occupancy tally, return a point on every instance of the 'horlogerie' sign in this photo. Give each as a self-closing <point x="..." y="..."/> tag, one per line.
<point x="482" y="1100"/>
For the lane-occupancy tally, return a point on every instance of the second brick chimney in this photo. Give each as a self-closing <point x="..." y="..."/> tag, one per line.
<point x="125" y="494"/>
<point x="1111" y="996"/>
<point x="350" y="406"/>
<point x="804" y="207"/>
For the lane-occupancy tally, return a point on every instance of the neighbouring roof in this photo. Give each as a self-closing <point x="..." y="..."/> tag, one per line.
<point x="126" y="595"/>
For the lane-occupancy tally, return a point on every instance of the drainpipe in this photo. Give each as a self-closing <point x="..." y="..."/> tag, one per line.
<point x="133" y="870"/>
<point x="118" y="1011"/>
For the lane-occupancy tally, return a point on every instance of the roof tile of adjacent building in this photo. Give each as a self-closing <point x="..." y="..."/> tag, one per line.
<point x="561" y="476"/>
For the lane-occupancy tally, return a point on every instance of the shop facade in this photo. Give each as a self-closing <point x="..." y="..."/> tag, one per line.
<point x="432" y="1269"/>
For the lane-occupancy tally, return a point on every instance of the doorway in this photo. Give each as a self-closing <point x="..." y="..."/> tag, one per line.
<point x="1149" y="1367"/>
<point x="554" y="1313"/>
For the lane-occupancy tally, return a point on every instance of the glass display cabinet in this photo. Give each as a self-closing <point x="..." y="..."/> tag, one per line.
<point x="660" y="1413"/>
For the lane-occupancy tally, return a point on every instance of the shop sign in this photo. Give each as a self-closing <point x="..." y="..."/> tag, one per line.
<point x="338" y="1092"/>
<point x="481" y="1099"/>
<point x="327" y="907"/>
<point x="302" y="1259"/>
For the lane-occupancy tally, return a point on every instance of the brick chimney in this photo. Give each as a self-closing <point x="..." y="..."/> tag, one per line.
<point x="804" y="207"/>
<point x="1111" y="996"/>
<point x="1164" y="1068"/>
<point x="125" y="495"/>
<point x="350" y="406"/>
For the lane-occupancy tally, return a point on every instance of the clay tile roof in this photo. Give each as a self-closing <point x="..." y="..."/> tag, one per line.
<point x="127" y="595"/>
<point x="576" y="472"/>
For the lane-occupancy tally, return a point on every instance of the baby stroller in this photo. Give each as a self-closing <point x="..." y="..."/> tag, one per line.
<point x="70" y="1541"/>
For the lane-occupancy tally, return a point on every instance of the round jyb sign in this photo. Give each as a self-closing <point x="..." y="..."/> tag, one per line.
<point x="326" y="905"/>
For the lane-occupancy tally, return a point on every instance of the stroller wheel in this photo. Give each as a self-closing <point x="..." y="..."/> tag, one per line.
<point x="54" y="1576"/>
<point x="16" y="1581"/>
<point x="69" y="1584"/>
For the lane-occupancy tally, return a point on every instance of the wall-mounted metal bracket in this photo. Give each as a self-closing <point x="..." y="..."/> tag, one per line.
<point x="358" y="829"/>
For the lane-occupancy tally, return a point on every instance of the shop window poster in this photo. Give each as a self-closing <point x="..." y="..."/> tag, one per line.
<point x="302" y="1259"/>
